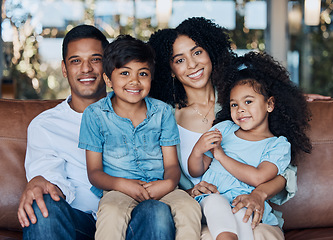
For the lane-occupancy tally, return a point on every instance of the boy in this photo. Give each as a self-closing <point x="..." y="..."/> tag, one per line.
<point x="130" y="141"/>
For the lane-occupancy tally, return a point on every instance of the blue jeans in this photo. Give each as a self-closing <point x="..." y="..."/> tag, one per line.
<point x="150" y="220"/>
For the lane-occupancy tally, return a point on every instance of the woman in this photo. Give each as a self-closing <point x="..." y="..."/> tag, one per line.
<point x="186" y="62"/>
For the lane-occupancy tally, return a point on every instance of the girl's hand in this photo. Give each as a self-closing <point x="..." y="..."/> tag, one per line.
<point x="158" y="189"/>
<point x="134" y="188"/>
<point x="254" y="203"/>
<point x="218" y="152"/>
<point x="202" y="188"/>
<point x="208" y="141"/>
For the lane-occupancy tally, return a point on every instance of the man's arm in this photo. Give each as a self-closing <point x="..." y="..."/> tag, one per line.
<point x="43" y="165"/>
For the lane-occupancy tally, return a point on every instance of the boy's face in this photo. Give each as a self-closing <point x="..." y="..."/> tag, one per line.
<point x="131" y="83"/>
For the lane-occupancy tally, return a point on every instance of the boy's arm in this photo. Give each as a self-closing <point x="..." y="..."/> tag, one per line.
<point x="171" y="165"/>
<point x="104" y="181"/>
<point x="158" y="189"/>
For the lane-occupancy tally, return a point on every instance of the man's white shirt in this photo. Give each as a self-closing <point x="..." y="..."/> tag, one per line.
<point x="52" y="152"/>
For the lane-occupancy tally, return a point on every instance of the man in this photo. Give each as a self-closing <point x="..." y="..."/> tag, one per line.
<point x="57" y="202"/>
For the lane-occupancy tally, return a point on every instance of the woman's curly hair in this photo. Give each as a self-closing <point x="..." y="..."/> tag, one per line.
<point x="290" y="117"/>
<point x="206" y="34"/>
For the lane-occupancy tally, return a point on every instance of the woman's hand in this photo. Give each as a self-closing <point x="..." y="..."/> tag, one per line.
<point x="311" y="97"/>
<point x="254" y="202"/>
<point x="202" y="188"/>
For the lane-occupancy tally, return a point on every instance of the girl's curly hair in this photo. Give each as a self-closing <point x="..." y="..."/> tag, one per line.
<point x="290" y="117"/>
<point x="208" y="35"/>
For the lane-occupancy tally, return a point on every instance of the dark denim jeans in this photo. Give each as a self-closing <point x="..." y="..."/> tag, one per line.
<point x="151" y="219"/>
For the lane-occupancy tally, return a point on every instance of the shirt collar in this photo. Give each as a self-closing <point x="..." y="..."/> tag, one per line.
<point x="151" y="107"/>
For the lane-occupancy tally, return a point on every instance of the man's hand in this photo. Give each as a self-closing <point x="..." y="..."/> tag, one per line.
<point x="34" y="191"/>
<point x="202" y="188"/>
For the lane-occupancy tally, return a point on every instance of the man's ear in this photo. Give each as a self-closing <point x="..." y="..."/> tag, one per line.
<point x="107" y="80"/>
<point x="270" y="104"/>
<point x="63" y="69"/>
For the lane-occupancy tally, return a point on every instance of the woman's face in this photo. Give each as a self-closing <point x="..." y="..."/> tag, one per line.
<point x="190" y="63"/>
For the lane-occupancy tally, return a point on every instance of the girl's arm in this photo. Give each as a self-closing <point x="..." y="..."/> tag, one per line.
<point x="158" y="189"/>
<point x="198" y="163"/>
<point x="253" y="176"/>
<point x="104" y="181"/>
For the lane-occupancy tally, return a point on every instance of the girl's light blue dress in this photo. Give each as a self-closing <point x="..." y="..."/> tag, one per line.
<point x="275" y="150"/>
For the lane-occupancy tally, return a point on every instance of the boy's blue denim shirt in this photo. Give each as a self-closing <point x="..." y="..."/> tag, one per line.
<point x="129" y="152"/>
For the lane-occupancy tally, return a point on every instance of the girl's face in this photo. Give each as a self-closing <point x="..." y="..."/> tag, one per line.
<point x="249" y="109"/>
<point x="131" y="83"/>
<point x="190" y="63"/>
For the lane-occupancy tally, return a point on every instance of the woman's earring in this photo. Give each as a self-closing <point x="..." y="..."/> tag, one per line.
<point x="173" y="89"/>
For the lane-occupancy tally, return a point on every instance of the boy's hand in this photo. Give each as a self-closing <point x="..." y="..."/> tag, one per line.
<point x="208" y="141"/>
<point x="158" y="189"/>
<point x="134" y="188"/>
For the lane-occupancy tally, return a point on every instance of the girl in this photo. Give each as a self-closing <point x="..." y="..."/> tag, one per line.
<point x="262" y="114"/>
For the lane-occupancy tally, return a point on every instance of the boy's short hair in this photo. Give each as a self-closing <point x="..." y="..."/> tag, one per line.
<point x="80" y="32"/>
<point x="125" y="49"/>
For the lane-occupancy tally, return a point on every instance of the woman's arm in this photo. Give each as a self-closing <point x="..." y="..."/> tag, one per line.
<point x="310" y="97"/>
<point x="255" y="201"/>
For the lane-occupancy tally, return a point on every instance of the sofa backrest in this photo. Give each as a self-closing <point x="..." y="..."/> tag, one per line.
<point x="15" y="116"/>
<point x="313" y="204"/>
<point x="311" y="207"/>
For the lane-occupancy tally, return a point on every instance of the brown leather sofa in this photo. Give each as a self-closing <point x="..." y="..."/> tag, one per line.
<point x="309" y="215"/>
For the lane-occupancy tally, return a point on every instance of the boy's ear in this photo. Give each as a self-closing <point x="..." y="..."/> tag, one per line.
<point x="107" y="81"/>
<point x="270" y="104"/>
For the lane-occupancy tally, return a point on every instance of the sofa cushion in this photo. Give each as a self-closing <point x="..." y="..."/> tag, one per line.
<point x="312" y="206"/>
<point x="15" y="118"/>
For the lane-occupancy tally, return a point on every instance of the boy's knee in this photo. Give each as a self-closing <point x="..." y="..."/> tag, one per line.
<point x="111" y="208"/>
<point x="187" y="204"/>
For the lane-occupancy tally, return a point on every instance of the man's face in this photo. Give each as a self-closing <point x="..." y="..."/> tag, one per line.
<point x="83" y="68"/>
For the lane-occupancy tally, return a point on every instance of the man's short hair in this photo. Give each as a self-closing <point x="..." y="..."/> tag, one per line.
<point x="80" y="32"/>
